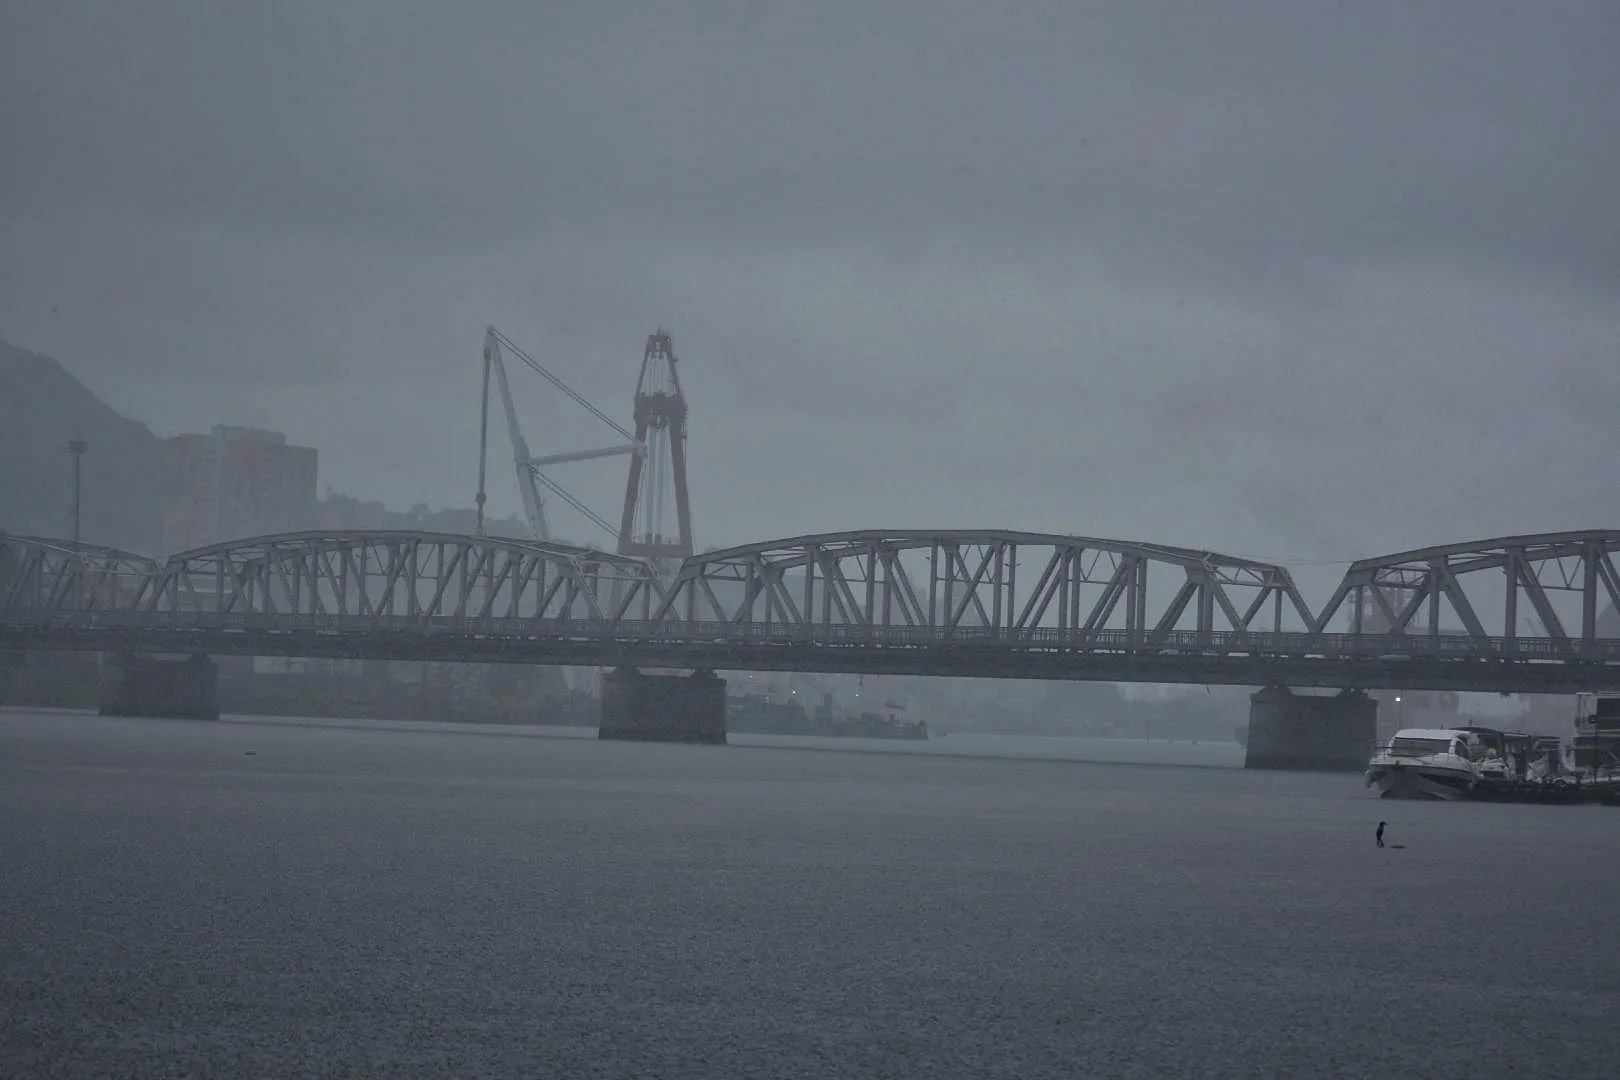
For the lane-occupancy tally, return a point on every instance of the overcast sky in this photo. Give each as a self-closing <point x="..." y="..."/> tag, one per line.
<point x="1305" y="280"/>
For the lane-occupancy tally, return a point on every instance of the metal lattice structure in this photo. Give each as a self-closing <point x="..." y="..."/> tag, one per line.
<point x="531" y="474"/>
<point x="42" y="574"/>
<point x="1490" y="616"/>
<point x="366" y="575"/>
<point x="1500" y="594"/>
<point x="1009" y="584"/>
<point x="661" y="429"/>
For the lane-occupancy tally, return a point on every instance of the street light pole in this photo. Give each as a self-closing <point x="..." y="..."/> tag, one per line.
<point x="77" y="448"/>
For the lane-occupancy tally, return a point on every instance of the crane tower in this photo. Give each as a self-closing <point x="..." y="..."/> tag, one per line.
<point x="659" y="472"/>
<point x="657" y="521"/>
<point x="657" y="452"/>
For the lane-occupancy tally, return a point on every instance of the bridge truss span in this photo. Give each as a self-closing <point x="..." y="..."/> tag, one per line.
<point x="58" y="575"/>
<point x="1519" y="614"/>
<point x="1544" y="592"/>
<point x="1066" y="591"/>
<point x="402" y="576"/>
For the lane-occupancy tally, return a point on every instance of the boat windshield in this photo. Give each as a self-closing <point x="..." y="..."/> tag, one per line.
<point x="1410" y="747"/>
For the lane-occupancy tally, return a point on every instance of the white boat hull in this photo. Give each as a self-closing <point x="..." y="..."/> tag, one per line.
<point x="1398" y="781"/>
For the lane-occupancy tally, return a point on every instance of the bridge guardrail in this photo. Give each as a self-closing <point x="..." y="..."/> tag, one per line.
<point x="833" y="636"/>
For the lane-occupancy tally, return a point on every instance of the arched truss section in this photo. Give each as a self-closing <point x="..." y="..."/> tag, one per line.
<point x="1546" y="587"/>
<point x="412" y="575"/>
<point x="1012" y="585"/>
<point x="41" y="574"/>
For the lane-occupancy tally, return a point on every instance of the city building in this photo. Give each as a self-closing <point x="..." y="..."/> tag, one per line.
<point x="233" y="483"/>
<point x="345" y="513"/>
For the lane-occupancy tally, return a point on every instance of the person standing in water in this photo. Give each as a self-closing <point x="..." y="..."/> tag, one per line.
<point x="1379" y="835"/>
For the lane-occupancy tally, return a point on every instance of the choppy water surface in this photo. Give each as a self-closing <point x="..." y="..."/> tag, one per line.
<point x="367" y="900"/>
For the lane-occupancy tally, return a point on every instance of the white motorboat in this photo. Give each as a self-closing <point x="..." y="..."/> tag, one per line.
<point x="1465" y="762"/>
<point x="1427" y="763"/>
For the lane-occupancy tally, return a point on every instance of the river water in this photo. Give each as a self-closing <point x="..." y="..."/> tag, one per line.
<point x="373" y="899"/>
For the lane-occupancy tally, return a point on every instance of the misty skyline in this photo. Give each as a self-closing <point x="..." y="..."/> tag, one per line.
<point x="1300" y="281"/>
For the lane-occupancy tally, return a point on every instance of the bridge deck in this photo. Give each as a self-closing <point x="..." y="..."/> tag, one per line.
<point x="1298" y="659"/>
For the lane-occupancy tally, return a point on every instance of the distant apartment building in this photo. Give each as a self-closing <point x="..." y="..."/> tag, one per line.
<point x="445" y="520"/>
<point x="233" y="483"/>
<point x="337" y="513"/>
<point x="345" y="513"/>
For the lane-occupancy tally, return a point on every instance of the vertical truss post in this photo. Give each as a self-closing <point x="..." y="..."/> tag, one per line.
<point x="1591" y="553"/>
<point x="933" y="583"/>
<point x="1510" y="603"/>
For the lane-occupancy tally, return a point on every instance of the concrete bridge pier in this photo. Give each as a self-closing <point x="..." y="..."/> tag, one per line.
<point x="1310" y="731"/>
<point x="663" y="708"/>
<point x="146" y="686"/>
<point x="13" y="663"/>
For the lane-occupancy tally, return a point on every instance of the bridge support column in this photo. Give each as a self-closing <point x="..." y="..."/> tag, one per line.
<point x="663" y="708"/>
<point x="13" y="664"/>
<point x="145" y="686"/>
<point x="1310" y="731"/>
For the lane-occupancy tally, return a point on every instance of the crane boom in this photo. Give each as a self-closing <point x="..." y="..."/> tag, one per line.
<point x="483" y="443"/>
<point x="534" y="508"/>
<point x="528" y="466"/>
<point x="540" y="370"/>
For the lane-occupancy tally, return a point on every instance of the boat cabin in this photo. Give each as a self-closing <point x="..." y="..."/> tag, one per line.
<point x="1426" y="742"/>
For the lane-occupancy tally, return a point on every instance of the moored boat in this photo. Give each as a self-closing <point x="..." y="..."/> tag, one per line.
<point x="1425" y="763"/>
<point x="1472" y="762"/>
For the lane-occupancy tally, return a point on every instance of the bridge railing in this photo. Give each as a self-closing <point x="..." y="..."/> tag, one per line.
<point x="155" y="626"/>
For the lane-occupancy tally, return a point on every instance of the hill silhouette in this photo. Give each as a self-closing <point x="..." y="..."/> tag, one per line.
<point x="42" y="407"/>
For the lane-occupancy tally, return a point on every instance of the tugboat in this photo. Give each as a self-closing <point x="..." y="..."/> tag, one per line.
<point x="871" y="725"/>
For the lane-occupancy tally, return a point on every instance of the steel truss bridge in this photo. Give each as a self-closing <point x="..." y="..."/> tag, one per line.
<point x="1514" y="614"/>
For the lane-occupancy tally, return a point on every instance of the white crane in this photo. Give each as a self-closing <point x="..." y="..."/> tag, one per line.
<point x="529" y="475"/>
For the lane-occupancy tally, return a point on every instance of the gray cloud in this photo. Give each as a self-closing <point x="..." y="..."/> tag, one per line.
<point x="1326" y="277"/>
<point x="1235" y="139"/>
